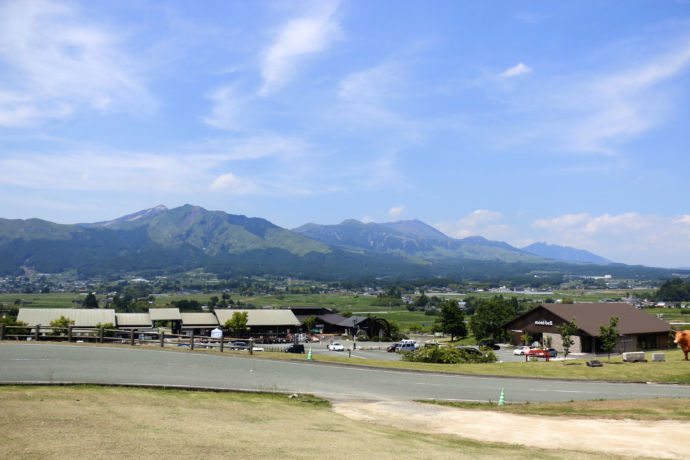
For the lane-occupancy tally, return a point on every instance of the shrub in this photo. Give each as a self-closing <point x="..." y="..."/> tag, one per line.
<point x="61" y="325"/>
<point x="449" y="355"/>
<point x="9" y="321"/>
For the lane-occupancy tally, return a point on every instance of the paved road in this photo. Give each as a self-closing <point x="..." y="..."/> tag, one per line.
<point x="86" y="364"/>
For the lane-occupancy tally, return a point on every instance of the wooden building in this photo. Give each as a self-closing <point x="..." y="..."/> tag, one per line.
<point x="638" y="330"/>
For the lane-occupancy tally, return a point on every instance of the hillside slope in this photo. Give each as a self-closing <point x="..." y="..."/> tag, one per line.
<point x="413" y="239"/>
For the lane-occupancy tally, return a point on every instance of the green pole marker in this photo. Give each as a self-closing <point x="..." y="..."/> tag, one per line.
<point x="501" y="400"/>
<point x="309" y="355"/>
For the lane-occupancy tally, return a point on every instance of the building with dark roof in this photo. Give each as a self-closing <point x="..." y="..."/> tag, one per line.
<point x="326" y="321"/>
<point x="638" y="330"/>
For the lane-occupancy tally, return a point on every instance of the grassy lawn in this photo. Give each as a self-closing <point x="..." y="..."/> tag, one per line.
<point x="675" y="369"/>
<point x="94" y="422"/>
<point x="637" y="409"/>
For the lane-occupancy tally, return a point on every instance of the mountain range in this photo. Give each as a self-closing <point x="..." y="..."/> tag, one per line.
<point x="162" y="240"/>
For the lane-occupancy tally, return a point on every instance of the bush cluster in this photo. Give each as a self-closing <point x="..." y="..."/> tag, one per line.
<point x="449" y="355"/>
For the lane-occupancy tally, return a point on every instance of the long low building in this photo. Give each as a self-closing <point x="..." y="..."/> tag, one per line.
<point x="82" y="317"/>
<point x="199" y="323"/>
<point x="133" y="321"/>
<point x="264" y="321"/>
<point x="638" y="330"/>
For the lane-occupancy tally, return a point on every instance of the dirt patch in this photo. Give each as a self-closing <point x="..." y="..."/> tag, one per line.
<point x="657" y="439"/>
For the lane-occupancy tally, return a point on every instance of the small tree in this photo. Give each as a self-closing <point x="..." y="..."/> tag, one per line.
<point x="107" y="329"/>
<point x="310" y="323"/>
<point x="61" y="325"/>
<point x="609" y="335"/>
<point x="567" y="330"/>
<point x="453" y="320"/>
<point x="90" y="301"/>
<point x="422" y="300"/>
<point x="238" y="323"/>
<point x="10" y="321"/>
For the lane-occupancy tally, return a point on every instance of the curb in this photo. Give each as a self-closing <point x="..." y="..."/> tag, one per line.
<point x="151" y="386"/>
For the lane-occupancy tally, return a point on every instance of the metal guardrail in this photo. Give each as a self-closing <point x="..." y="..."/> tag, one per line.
<point x="131" y="337"/>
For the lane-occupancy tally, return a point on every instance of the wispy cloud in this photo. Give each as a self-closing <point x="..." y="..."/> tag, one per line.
<point x="396" y="211"/>
<point x="620" y="105"/>
<point x="233" y="184"/>
<point x="628" y="237"/>
<point x="599" y="111"/>
<point x="517" y="70"/>
<point x="261" y="165"/>
<point x="54" y="61"/>
<point x="227" y="109"/>
<point x="294" y="41"/>
<point x="481" y="222"/>
<point x="369" y="98"/>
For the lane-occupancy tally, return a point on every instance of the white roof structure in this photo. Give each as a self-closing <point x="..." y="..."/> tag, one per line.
<point x="199" y="320"/>
<point x="82" y="317"/>
<point x="133" y="320"/>
<point x="165" y="314"/>
<point x="261" y="317"/>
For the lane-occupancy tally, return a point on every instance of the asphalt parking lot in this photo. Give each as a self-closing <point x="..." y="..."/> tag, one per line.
<point x="363" y="350"/>
<point x="377" y="350"/>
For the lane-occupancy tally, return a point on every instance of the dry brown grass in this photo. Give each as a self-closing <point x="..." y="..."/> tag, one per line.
<point x="95" y="422"/>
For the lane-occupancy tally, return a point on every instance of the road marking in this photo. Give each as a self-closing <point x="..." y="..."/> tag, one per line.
<point x="32" y="359"/>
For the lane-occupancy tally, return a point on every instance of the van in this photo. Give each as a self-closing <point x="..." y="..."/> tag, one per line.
<point x="407" y="345"/>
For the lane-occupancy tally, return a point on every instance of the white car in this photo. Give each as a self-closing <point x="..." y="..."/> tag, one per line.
<point x="336" y="346"/>
<point x="521" y="350"/>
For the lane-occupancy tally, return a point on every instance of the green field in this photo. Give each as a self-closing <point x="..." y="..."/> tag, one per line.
<point x="356" y="304"/>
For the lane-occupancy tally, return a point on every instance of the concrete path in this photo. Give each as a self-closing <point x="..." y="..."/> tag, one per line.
<point x="654" y="439"/>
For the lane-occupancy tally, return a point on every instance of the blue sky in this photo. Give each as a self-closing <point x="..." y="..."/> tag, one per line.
<point x="564" y="122"/>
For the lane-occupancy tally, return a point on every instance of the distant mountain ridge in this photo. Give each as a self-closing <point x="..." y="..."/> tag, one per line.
<point x="129" y="217"/>
<point x="213" y="232"/>
<point x="566" y="253"/>
<point x="413" y="238"/>
<point x="161" y="240"/>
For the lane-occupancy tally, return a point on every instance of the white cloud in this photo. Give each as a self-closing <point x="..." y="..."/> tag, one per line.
<point x="396" y="211"/>
<point x="481" y="222"/>
<point x="584" y="223"/>
<point x="517" y="70"/>
<point x="683" y="220"/>
<point x="481" y="217"/>
<point x="631" y="237"/>
<point x="227" y="111"/>
<point x="289" y="167"/>
<point x="54" y="61"/>
<point x="367" y="219"/>
<point x="596" y="113"/>
<point x="296" y="39"/>
<point x="233" y="184"/>
<point x="369" y="98"/>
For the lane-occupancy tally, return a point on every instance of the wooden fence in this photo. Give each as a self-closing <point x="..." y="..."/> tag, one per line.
<point x="120" y="336"/>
